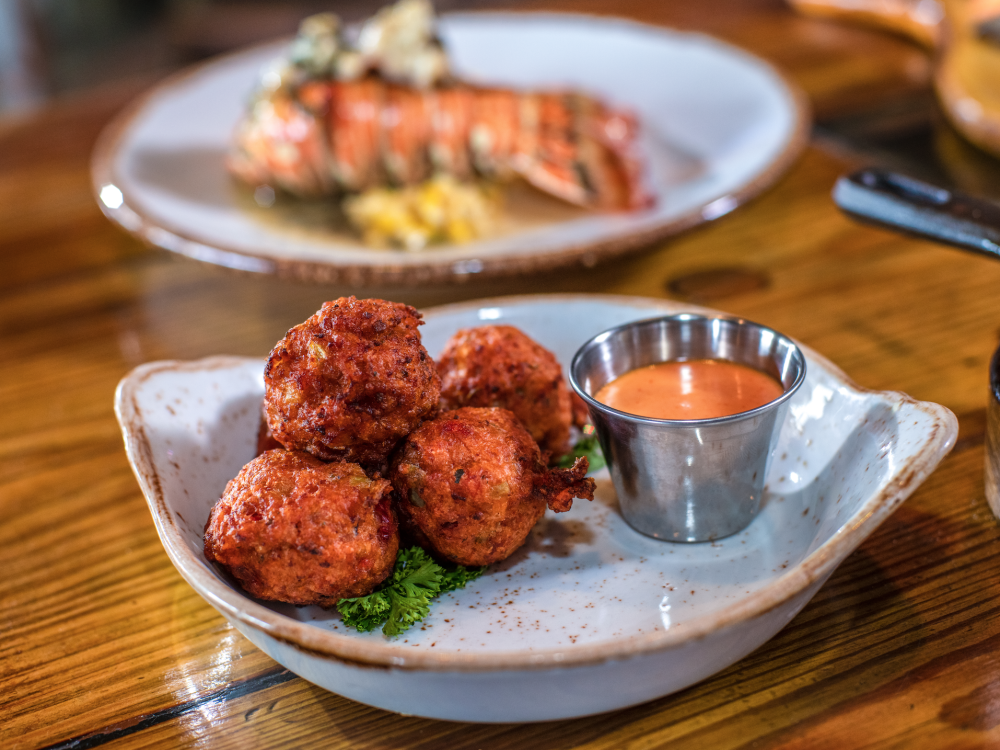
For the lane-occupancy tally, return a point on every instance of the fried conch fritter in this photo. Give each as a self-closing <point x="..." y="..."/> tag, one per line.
<point x="293" y="529"/>
<point x="350" y="382"/>
<point x="470" y="485"/>
<point x="502" y="366"/>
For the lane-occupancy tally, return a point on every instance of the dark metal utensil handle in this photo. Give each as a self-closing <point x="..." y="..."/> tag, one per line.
<point x="903" y="203"/>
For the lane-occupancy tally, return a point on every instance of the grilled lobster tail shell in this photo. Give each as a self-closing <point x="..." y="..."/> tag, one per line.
<point x="346" y="136"/>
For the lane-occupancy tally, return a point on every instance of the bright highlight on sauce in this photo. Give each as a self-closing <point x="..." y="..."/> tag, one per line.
<point x="697" y="389"/>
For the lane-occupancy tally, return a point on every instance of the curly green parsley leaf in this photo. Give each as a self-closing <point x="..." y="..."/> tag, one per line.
<point x="587" y="446"/>
<point x="405" y="597"/>
<point x="457" y="578"/>
<point x="365" y="613"/>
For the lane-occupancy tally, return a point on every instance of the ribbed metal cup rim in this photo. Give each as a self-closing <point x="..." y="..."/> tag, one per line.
<point x="789" y="392"/>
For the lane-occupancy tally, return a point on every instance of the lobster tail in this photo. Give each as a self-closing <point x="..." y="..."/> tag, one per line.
<point x="353" y="135"/>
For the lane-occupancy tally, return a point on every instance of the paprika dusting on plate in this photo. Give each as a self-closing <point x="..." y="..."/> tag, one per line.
<point x="695" y="389"/>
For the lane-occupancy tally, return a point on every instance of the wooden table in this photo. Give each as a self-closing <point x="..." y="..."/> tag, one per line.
<point x="102" y="642"/>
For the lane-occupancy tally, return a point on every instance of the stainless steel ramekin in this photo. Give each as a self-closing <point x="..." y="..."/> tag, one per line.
<point x="687" y="480"/>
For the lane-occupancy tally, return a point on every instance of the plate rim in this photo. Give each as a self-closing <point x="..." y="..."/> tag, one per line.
<point x="348" y="650"/>
<point x="156" y="233"/>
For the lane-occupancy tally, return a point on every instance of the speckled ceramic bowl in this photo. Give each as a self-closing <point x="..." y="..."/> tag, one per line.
<point x="589" y="615"/>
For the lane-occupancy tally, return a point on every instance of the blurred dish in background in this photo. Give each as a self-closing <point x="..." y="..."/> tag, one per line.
<point x="374" y="119"/>
<point x="918" y="19"/>
<point x="720" y="125"/>
<point x="965" y="37"/>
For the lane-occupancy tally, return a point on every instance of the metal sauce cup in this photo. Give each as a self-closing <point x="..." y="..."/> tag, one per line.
<point x="687" y="480"/>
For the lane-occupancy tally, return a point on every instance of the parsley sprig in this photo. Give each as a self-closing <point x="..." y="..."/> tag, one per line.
<point x="588" y="446"/>
<point x="405" y="597"/>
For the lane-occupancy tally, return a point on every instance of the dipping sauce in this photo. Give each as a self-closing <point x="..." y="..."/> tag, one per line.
<point x="696" y="389"/>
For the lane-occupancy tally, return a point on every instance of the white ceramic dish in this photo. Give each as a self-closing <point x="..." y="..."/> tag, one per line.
<point x="720" y="125"/>
<point x="590" y="615"/>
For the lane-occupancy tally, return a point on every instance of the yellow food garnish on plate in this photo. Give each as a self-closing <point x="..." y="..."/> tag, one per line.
<point x="441" y="209"/>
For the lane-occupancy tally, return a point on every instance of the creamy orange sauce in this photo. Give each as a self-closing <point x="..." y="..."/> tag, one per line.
<point x="697" y="389"/>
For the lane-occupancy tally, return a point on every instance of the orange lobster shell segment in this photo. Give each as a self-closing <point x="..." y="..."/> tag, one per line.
<point x="406" y="135"/>
<point x="354" y="130"/>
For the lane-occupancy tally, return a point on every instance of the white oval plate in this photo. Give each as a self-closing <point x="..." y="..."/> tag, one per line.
<point x="589" y="615"/>
<point x="719" y="126"/>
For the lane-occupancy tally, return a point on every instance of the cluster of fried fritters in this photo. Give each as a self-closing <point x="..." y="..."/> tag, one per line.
<point x="369" y="430"/>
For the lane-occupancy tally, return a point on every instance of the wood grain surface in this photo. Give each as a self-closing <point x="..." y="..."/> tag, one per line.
<point x="103" y="644"/>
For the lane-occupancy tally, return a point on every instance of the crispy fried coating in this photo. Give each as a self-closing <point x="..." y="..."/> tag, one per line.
<point x="581" y="412"/>
<point x="502" y="366"/>
<point x="291" y="528"/>
<point x="471" y="484"/>
<point x="350" y="382"/>
<point x="265" y="438"/>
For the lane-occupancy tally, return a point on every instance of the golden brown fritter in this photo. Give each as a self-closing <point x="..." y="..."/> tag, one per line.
<point x="265" y="438"/>
<point x="350" y="382"/>
<point x="471" y="484"/>
<point x="291" y="528"/>
<point x="580" y="410"/>
<point x="502" y="366"/>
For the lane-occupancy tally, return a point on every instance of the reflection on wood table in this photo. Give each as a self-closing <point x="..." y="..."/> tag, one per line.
<point x="104" y="644"/>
